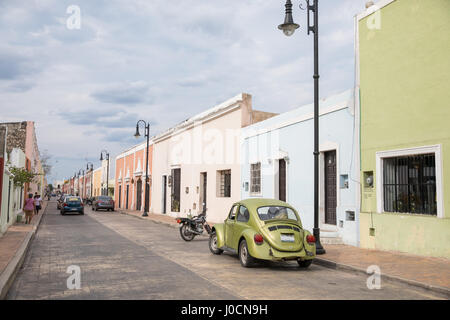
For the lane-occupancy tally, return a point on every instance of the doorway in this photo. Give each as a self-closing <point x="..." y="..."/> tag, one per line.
<point x="126" y="199"/>
<point x="282" y="180"/>
<point x="120" y="195"/>
<point x="164" y="194"/>
<point x="203" y="191"/>
<point x="139" y="195"/>
<point x="176" y="190"/>
<point x="330" y="187"/>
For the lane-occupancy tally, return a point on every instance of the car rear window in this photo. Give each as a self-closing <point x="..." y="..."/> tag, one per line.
<point x="276" y="212"/>
<point x="104" y="198"/>
<point x="73" y="199"/>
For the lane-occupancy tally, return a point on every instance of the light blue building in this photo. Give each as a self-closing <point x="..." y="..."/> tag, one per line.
<point x="277" y="162"/>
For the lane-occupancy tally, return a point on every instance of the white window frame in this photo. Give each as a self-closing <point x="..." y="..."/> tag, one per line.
<point x="256" y="194"/>
<point x="436" y="149"/>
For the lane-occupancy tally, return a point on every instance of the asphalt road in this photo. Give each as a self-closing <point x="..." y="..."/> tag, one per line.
<point x="123" y="257"/>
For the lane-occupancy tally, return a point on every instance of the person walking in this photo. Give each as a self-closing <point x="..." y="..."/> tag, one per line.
<point x="37" y="203"/>
<point x="29" y="208"/>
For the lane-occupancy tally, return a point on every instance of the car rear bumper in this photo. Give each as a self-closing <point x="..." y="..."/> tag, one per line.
<point x="68" y="209"/>
<point x="105" y="206"/>
<point x="266" y="252"/>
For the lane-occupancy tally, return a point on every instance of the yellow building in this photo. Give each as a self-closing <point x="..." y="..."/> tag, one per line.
<point x="97" y="182"/>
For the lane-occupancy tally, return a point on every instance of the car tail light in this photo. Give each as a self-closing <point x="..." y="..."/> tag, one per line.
<point x="310" y="238"/>
<point x="258" y="239"/>
<point x="65" y="204"/>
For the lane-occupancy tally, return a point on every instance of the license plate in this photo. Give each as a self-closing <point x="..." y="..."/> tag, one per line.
<point x="287" y="237"/>
<point x="74" y="209"/>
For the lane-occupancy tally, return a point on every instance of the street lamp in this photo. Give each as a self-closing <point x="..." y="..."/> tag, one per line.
<point x="288" y="28"/>
<point x="107" y="168"/>
<point x="92" y="176"/>
<point x="137" y="135"/>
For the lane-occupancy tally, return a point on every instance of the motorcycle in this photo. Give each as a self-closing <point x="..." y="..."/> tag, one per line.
<point x="193" y="226"/>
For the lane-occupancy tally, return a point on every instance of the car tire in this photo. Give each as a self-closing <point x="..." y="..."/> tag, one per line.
<point x="245" y="258"/>
<point x="213" y="244"/>
<point x="82" y="212"/>
<point x="304" y="263"/>
<point x="62" y="213"/>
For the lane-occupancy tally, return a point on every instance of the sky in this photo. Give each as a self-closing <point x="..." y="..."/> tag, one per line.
<point x="85" y="82"/>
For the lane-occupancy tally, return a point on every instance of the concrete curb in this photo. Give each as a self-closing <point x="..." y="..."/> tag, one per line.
<point x="344" y="267"/>
<point x="9" y="274"/>
<point x="143" y="218"/>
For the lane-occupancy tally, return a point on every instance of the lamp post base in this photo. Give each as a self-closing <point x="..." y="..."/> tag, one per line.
<point x="145" y="214"/>
<point x="319" y="247"/>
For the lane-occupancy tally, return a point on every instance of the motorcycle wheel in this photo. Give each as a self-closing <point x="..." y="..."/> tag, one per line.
<point x="185" y="233"/>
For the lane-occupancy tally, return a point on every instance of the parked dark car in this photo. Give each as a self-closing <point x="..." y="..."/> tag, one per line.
<point x="72" y="204"/>
<point x="103" y="202"/>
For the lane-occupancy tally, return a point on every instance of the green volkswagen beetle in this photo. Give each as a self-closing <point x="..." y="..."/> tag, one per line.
<point x="263" y="229"/>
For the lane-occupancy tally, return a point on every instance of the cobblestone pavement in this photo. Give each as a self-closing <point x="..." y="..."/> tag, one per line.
<point x="112" y="267"/>
<point x="122" y="257"/>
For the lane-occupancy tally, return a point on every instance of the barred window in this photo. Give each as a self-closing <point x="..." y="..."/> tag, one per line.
<point x="225" y="183"/>
<point x="409" y="184"/>
<point x="255" y="178"/>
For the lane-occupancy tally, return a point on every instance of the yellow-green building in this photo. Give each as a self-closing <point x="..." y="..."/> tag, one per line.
<point x="403" y="73"/>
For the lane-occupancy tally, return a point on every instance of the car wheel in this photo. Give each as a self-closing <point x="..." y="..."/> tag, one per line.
<point x="213" y="243"/>
<point x="62" y="213"/>
<point x="185" y="233"/>
<point x="82" y="212"/>
<point x="304" y="263"/>
<point x="244" y="255"/>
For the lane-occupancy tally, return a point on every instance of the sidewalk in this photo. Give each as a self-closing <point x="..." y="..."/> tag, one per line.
<point x="13" y="247"/>
<point x="426" y="272"/>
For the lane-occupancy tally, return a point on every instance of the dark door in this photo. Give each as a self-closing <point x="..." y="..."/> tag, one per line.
<point x="330" y="187"/>
<point x="9" y="199"/>
<point x="204" y="183"/>
<point x="139" y="194"/>
<point x="120" y="195"/>
<point x="126" y="199"/>
<point x="164" y="195"/>
<point x="176" y="190"/>
<point x="282" y="180"/>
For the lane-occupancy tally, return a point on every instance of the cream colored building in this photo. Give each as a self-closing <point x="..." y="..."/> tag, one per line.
<point x="196" y="164"/>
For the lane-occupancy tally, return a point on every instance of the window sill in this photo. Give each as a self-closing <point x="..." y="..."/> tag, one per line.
<point x="411" y="214"/>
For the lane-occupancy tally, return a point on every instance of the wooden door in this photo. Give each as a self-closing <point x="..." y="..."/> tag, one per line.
<point x="330" y="187"/>
<point x="282" y="180"/>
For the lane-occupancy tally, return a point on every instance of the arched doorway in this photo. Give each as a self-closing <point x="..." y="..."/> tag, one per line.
<point x="138" y="194"/>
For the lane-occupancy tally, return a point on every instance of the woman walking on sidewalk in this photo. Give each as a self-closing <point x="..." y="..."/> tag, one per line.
<point x="37" y="203"/>
<point x="29" y="208"/>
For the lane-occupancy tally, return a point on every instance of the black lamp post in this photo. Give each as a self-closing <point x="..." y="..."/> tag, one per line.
<point x="92" y="175"/>
<point x="137" y="135"/>
<point x="288" y="28"/>
<point x="107" y="168"/>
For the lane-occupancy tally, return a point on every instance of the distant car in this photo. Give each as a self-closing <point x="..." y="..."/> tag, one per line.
<point x="264" y="229"/>
<point x="72" y="204"/>
<point x="103" y="202"/>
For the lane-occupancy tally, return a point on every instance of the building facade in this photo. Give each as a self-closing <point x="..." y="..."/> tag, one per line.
<point x="97" y="182"/>
<point x="196" y="164"/>
<point x="18" y="148"/>
<point x="130" y="186"/>
<point x="403" y="73"/>
<point x="278" y="162"/>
